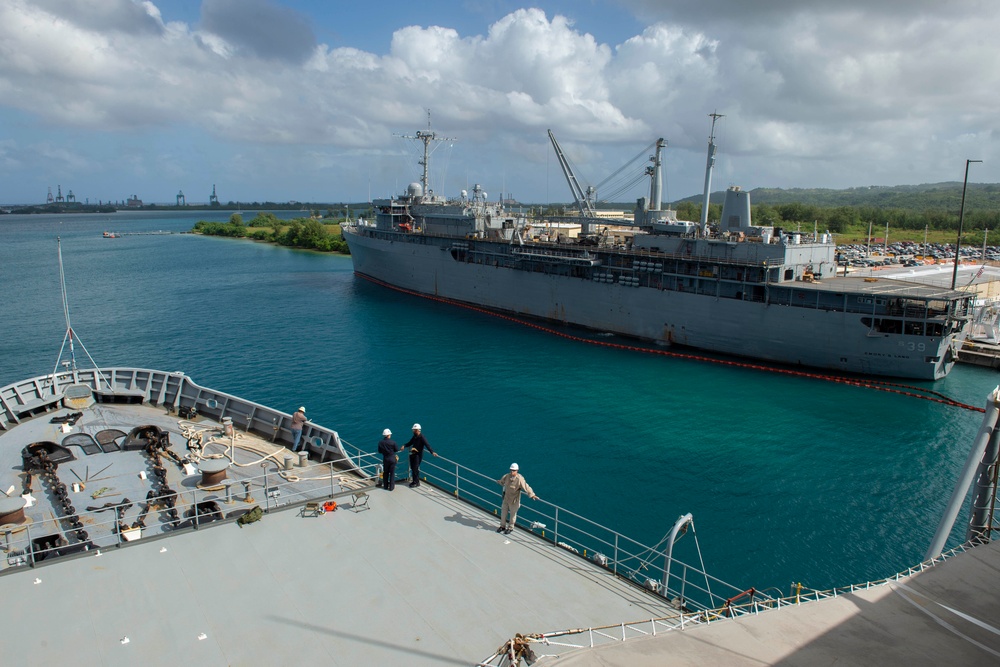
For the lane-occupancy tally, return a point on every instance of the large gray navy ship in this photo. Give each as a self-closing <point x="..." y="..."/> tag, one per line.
<point x="731" y="288"/>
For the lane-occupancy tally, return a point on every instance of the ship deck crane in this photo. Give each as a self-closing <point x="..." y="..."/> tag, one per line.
<point x="584" y="200"/>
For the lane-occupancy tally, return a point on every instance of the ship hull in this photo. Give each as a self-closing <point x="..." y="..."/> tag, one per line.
<point x="824" y="339"/>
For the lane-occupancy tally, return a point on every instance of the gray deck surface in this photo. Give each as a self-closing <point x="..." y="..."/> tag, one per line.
<point x="947" y="615"/>
<point x="419" y="579"/>
<point x="422" y="579"/>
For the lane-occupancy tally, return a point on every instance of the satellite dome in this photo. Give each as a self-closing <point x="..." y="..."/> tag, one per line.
<point x="414" y="190"/>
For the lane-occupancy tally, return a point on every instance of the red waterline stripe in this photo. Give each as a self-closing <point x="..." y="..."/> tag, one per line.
<point x="878" y="385"/>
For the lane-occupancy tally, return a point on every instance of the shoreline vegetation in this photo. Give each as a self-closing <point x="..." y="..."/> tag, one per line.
<point x="926" y="213"/>
<point x="305" y="233"/>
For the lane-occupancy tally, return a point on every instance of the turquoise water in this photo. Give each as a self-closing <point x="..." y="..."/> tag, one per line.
<point x="788" y="479"/>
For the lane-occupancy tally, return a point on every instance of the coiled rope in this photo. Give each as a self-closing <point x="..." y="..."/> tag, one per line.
<point x="211" y="435"/>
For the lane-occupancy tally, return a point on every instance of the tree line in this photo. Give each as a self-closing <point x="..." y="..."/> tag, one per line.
<point x="305" y="233"/>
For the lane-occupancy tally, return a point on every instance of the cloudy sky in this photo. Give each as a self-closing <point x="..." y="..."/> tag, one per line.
<point x="296" y="99"/>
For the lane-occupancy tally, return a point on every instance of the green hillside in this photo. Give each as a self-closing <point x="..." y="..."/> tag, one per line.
<point x="926" y="197"/>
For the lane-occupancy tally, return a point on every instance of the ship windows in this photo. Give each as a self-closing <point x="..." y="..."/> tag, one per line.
<point x="883" y="325"/>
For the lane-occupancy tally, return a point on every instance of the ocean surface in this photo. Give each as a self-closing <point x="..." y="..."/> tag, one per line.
<point x="789" y="479"/>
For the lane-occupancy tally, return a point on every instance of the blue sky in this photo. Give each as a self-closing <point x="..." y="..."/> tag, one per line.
<point x="295" y="100"/>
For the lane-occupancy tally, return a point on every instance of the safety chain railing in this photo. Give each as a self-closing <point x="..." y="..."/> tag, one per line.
<point x="687" y="587"/>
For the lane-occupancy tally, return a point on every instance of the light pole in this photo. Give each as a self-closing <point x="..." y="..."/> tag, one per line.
<point x="961" y="219"/>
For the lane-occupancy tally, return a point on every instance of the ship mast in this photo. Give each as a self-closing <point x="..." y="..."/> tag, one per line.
<point x="656" y="178"/>
<point x="70" y="364"/>
<point x="426" y="137"/>
<point x="708" y="174"/>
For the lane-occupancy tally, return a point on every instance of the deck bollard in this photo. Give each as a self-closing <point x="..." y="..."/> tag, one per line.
<point x="288" y="461"/>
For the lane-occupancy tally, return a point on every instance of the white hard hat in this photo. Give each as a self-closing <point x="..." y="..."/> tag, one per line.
<point x="302" y="409"/>
<point x="513" y="466"/>
<point x="416" y="427"/>
<point x="386" y="433"/>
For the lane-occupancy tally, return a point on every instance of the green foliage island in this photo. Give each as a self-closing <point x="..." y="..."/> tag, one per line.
<point x="307" y="233"/>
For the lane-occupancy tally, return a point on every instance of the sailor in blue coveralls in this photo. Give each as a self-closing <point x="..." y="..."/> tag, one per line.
<point x="388" y="448"/>
<point x="417" y="444"/>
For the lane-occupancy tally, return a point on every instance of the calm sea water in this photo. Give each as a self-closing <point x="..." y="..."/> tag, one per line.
<point x="788" y="479"/>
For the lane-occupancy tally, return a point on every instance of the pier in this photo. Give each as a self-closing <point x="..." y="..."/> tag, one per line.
<point x="980" y="354"/>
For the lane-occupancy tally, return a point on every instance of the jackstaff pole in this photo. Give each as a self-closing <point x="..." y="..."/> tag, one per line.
<point x="961" y="219"/>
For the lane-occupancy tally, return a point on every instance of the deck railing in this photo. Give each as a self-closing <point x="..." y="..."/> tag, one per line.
<point x="687" y="587"/>
<point x="537" y="645"/>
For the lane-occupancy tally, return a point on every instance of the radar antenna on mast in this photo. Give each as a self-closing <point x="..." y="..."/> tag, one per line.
<point x="426" y="137"/>
<point x="70" y="364"/>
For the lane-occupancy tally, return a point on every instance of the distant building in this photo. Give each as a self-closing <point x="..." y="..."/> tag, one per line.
<point x="547" y="230"/>
<point x="611" y="215"/>
<point x="133" y="202"/>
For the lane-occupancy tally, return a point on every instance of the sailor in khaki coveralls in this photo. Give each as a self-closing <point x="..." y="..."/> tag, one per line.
<point x="513" y="484"/>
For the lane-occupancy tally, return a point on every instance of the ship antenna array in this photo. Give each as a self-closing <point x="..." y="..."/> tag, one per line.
<point x="70" y="336"/>
<point x="426" y="137"/>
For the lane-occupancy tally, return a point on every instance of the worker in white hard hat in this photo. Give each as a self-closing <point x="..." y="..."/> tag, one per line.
<point x="513" y="484"/>
<point x="417" y="444"/>
<point x="389" y="450"/>
<point x="298" y="421"/>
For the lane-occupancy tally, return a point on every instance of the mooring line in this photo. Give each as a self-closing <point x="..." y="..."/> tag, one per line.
<point x="868" y="383"/>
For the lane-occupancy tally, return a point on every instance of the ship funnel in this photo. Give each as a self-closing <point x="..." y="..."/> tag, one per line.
<point x="735" y="211"/>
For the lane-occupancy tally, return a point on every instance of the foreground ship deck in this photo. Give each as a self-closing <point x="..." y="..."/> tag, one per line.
<point x="444" y="590"/>
<point x="416" y="577"/>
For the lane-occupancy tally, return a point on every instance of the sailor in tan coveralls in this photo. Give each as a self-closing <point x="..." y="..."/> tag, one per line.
<point x="513" y="484"/>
